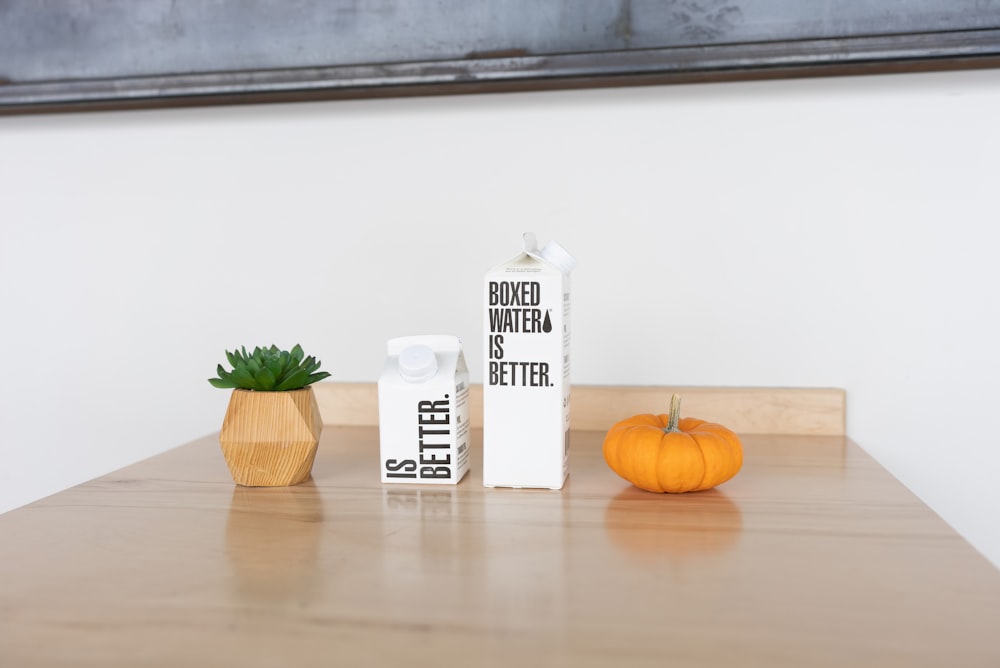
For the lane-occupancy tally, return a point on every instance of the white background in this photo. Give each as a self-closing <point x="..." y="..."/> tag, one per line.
<point x="833" y="232"/>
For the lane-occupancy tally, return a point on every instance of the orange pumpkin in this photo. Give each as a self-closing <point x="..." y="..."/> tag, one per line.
<point x="662" y="453"/>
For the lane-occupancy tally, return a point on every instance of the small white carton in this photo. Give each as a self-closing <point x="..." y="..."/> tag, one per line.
<point x="526" y="384"/>
<point x="423" y="411"/>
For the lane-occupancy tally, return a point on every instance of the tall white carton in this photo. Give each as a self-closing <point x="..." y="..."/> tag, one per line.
<point x="423" y="411"/>
<point x="526" y="381"/>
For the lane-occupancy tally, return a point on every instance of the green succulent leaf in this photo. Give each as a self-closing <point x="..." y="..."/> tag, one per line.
<point x="265" y="379"/>
<point x="243" y="378"/>
<point x="317" y="376"/>
<point x="310" y="364"/>
<point x="274" y="365"/>
<point x="268" y="369"/>
<point x="223" y="379"/>
<point x="296" y="379"/>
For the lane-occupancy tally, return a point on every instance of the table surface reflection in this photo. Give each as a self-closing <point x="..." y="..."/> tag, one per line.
<point x="812" y="556"/>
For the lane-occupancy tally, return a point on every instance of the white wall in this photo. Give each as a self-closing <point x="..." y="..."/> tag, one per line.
<point x="825" y="232"/>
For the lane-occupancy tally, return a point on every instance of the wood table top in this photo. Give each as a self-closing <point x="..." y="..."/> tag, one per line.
<point x="812" y="556"/>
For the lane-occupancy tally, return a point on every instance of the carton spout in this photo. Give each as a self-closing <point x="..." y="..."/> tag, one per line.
<point x="552" y="253"/>
<point x="558" y="257"/>
<point x="417" y="364"/>
<point x="530" y="243"/>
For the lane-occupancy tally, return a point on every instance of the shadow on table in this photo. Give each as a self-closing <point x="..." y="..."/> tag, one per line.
<point x="273" y="538"/>
<point x="653" y="527"/>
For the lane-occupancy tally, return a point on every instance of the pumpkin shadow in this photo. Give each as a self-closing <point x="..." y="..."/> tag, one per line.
<point x="273" y="538"/>
<point x="652" y="528"/>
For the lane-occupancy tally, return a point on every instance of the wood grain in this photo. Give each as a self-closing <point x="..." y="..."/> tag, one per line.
<point x="812" y="556"/>
<point x="758" y="410"/>
<point x="270" y="438"/>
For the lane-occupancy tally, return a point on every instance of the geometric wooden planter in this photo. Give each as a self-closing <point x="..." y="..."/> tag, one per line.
<point x="269" y="439"/>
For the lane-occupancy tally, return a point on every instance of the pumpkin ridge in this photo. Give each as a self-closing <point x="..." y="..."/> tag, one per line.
<point x="645" y="439"/>
<point x="704" y="461"/>
<point x="675" y="456"/>
<point x="723" y="448"/>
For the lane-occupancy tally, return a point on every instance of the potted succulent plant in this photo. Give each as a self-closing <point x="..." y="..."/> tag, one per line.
<point x="272" y="426"/>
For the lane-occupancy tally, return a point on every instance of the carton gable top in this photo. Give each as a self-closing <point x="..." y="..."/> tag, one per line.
<point x="447" y="351"/>
<point x="552" y="256"/>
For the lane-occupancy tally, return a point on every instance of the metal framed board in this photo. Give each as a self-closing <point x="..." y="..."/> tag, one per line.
<point x="62" y="55"/>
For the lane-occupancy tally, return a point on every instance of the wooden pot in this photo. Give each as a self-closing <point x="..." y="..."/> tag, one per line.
<point x="269" y="439"/>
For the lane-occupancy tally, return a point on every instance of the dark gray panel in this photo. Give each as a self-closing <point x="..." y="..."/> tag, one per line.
<point x="62" y="52"/>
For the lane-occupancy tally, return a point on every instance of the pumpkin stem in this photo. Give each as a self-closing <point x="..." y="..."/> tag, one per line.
<point x="675" y="414"/>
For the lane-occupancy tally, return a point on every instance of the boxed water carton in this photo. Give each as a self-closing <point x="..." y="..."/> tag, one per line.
<point x="526" y="381"/>
<point x="423" y="411"/>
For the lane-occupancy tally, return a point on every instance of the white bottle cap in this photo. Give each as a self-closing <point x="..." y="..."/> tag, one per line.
<point x="417" y="364"/>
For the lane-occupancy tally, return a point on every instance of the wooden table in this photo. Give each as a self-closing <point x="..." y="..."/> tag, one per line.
<point x="812" y="556"/>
